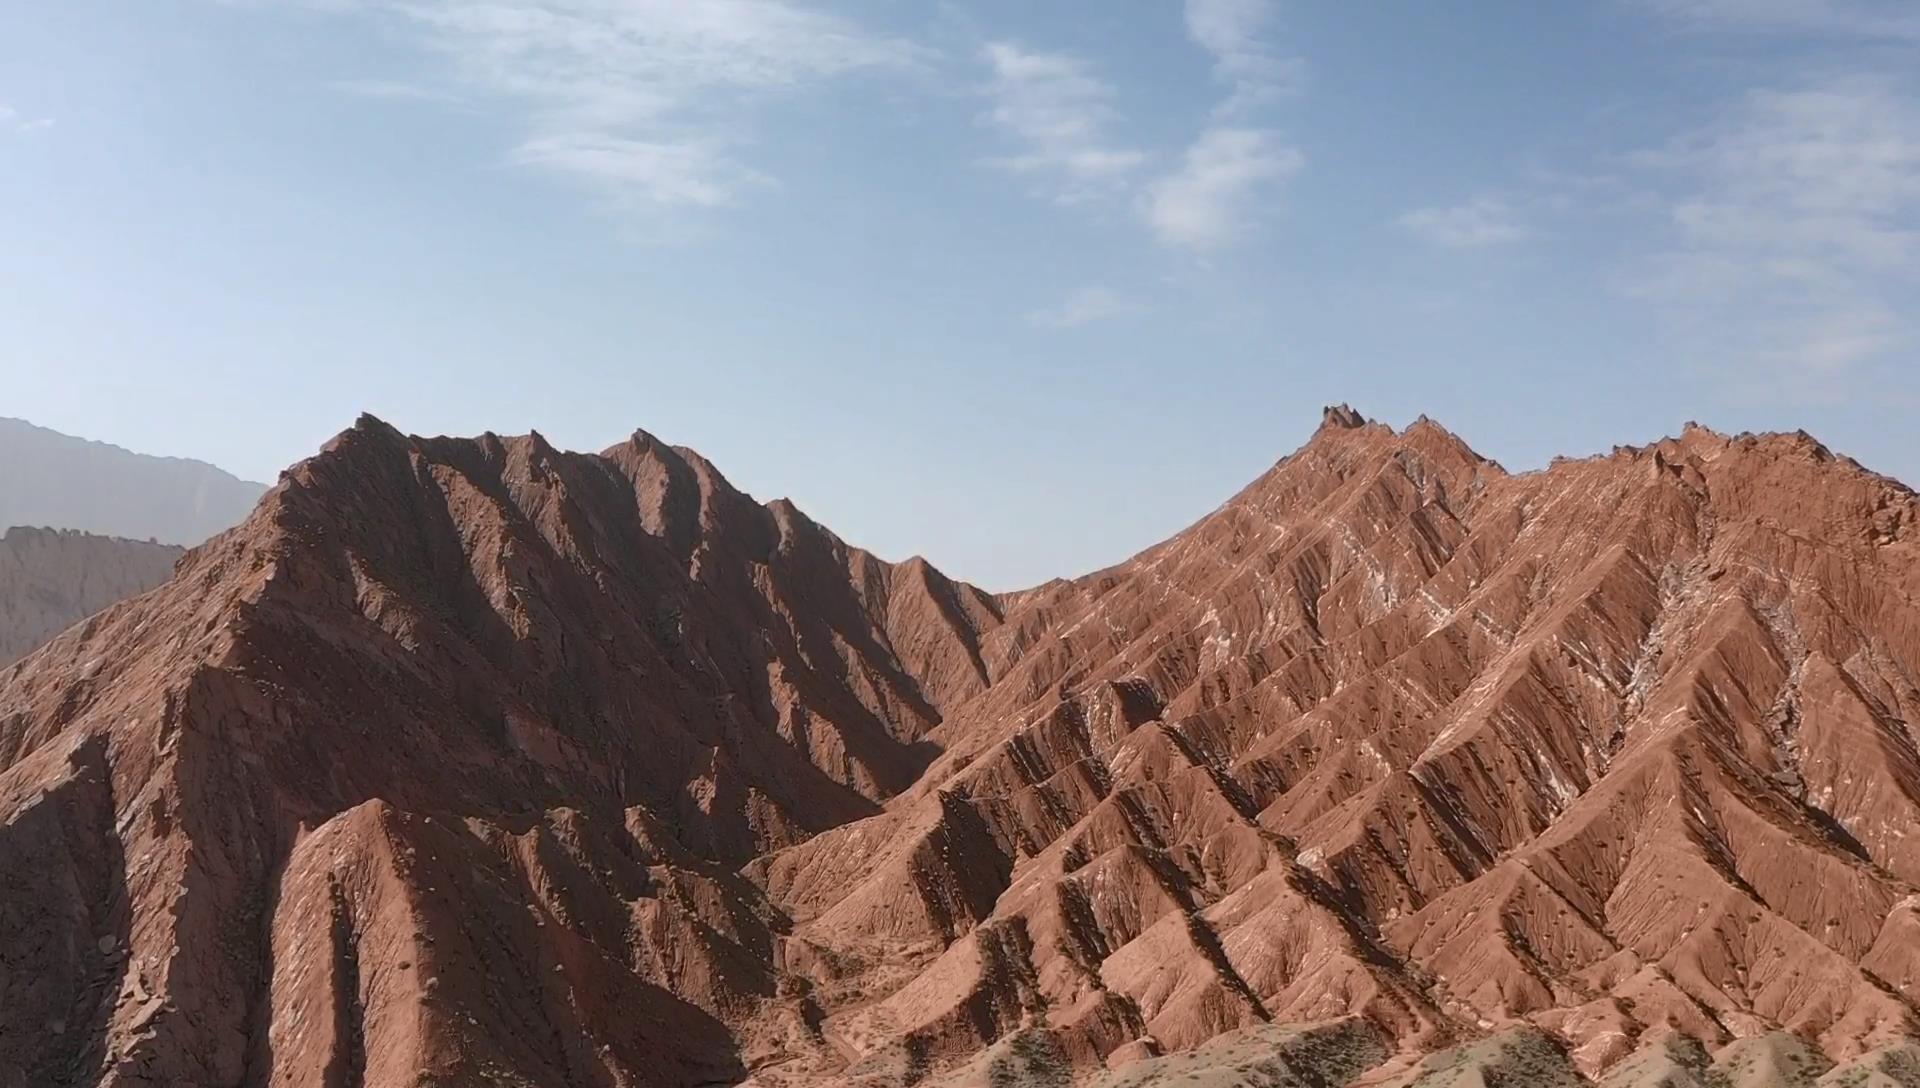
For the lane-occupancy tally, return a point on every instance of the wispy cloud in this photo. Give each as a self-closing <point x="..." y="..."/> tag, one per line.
<point x="1896" y="19"/>
<point x="11" y="120"/>
<point x="1083" y="307"/>
<point x="1230" y="172"/>
<point x="683" y="172"/>
<point x="1794" y="220"/>
<point x="1478" y="223"/>
<point x="649" y="101"/>
<point x="1060" y="113"/>
<point x="1202" y="198"/>
<point x="1213" y="198"/>
<point x="1236" y="33"/>
<point x="395" y="90"/>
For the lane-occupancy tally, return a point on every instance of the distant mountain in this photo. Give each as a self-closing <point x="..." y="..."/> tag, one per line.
<point x="477" y="762"/>
<point x="56" y="480"/>
<point x="51" y="579"/>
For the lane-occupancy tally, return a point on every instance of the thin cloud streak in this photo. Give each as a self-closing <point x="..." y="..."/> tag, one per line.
<point x="1059" y="112"/>
<point x="648" y="101"/>
<point x="1882" y="19"/>
<point x="1230" y="172"/>
<point x="1083" y="307"/>
<point x="1213" y="198"/>
<point x="1790" y="220"/>
<point x="11" y="120"/>
<point x="1235" y="33"/>
<point x="395" y="90"/>
<point x="1479" y="223"/>
<point x="1215" y="191"/>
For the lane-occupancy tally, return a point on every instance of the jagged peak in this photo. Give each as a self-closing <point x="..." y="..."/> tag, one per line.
<point x="643" y="439"/>
<point x="795" y="524"/>
<point x="1343" y="430"/>
<point x="369" y="435"/>
<point x="644" y="444"/>
<point x="365" y="427"/>
<point x="1426" y="424"/>
<point x="1698" y="438"/>
<point x="1343" y="417"/>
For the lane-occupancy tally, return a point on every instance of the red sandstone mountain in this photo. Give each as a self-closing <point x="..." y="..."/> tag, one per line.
<point x="475" y="762"/>
<point x="51" y="579"/>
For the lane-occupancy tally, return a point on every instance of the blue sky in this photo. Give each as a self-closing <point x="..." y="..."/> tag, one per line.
<point x="1021" y="287"/>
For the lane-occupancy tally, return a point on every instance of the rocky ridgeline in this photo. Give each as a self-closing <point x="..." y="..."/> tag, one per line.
<point x="481" y="762"/>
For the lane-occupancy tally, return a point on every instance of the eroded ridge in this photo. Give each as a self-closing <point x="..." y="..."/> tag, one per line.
<point x="476" y="761"/>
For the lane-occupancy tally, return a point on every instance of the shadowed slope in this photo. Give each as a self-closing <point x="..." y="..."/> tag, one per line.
<point x="473" y="638"/>
<point x="477" y="761"/>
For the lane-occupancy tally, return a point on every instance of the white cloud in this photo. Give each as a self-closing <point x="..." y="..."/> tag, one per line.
<point x="648" y="100"/>
<point x="1896" y="19"/>
<point x="395" y="89"/>
<point x="1083" y="307"/>
<point x="1063" y="114"/>
<point x="1483" y="221"/>
<point x="1794" y="228"/>
<point x="1214" y="196"/>
<point x="1827" y="171"/>
<point x="1234" y="31"/>
<point x="12" y="120"/>
<point x="663" y="173"/>
<point x="1059" y="111"/>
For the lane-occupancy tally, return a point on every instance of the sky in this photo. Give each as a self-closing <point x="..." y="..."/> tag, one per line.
<point x="1021" y="287"/>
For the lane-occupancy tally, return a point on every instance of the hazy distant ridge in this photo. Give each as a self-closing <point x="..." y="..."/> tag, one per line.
<point x="51" y="579"/>
<point x="59" y="481"/>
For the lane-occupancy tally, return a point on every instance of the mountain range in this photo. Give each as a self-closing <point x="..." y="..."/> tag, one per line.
<point x="479" y="762"/>
<point x="53" y="480"/>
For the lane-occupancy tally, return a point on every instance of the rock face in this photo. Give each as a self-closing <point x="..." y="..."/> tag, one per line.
<point x="48" y="478"/>
<point x="51" y="579"/>
<point x="477" y="762"/>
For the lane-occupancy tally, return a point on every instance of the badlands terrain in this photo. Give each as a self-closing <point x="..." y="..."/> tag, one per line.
<point x="476" y="762"/>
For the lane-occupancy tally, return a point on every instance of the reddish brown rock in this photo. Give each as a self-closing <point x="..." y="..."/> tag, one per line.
<point x="474" y="761"/>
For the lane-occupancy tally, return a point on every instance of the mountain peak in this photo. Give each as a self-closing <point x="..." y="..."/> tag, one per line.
<point x="587" y="767"/>
<point x="367" y="421"/>
<point x="1343" y="417"/>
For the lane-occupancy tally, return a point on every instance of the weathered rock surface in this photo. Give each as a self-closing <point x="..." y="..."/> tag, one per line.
<point x="51" y="579"/>
<point x="477" y="762"/>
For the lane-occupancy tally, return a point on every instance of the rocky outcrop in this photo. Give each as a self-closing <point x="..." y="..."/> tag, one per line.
<point x="475" y="761"/>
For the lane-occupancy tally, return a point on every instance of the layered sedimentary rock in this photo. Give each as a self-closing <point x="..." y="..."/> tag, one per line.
<point x="474" y="761"/>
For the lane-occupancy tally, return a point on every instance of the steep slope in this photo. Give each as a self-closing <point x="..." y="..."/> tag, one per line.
<point x="49" y="478"/>
<point x="1614" y="749"/>
<point x="51" y="579"/>
<point x="439" y="764"/>
<point x="473" y="761"/>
